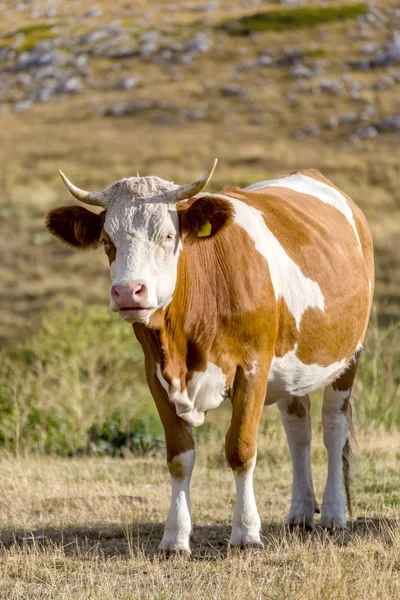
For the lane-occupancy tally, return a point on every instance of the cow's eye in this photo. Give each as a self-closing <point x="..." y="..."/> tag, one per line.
<point x="170" y="236"/>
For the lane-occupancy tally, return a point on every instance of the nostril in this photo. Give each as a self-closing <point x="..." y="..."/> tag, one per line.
<point x="140" y="290"/>
<point x="114" y="293"/>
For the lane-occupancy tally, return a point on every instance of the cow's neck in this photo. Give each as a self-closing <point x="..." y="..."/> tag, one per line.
<point x="187" y="328"/>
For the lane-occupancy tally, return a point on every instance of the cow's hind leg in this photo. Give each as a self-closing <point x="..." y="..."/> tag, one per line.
<point x="336" y="415"/>
<point x="295" y="414"/>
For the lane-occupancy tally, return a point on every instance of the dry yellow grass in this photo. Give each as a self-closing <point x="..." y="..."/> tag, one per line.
<point x="102" y="519"/>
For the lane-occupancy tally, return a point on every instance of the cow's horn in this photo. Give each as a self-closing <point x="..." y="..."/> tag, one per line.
<point x="93" y="198"/>
<point x="191" y="189"/>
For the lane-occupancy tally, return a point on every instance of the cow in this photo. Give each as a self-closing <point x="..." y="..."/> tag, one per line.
<point x="261" y="295"/>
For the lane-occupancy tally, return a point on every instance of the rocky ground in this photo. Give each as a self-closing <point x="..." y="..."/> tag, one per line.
<point x="92" y="51"/>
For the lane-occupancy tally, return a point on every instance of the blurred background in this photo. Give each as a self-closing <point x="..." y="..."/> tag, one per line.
<point x="104" y="90"/>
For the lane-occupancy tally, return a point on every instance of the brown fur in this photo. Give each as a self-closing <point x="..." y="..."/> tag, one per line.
<point x="109" y="247"/>
<point x="299" y="406"/>
<point x="76" y="226"/>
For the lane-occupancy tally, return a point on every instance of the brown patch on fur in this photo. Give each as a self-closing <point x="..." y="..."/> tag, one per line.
<point x="76" y="226"/>
<point x="346" y="379"/>
<point x="109" y="246"/>
<point x="177" y="468"/>
<point x="346" y="404"/>
<point x="299" y="406"/>
<point x="287" y="333"/>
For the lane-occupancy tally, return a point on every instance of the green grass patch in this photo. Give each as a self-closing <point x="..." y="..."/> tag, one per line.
<point x="30" y="29"/>
<point x="295" y="18"/>
<point x="77" y="386"/>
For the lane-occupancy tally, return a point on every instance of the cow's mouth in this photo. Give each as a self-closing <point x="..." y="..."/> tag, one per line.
<point x="129" y="313"/>
<point x="135" y="309"/>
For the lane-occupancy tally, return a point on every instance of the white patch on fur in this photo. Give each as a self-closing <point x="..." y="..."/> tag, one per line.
<point x="246" y="522"/>
<point x="252" y="370"/>
<point x="288" y="376"/>
<point x="307" y="185"/>
<point x="204" y="391"/>
<point x="335" y="428"/>
<point x="298" y="291"/>
<point x="178" y="526"/>
<point x="298" y="433"/>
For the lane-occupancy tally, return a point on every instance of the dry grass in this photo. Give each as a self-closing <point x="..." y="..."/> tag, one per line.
<point x="102" y="521"/>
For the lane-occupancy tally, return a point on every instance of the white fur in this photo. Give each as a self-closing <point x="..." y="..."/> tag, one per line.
<point x="246" y="522"/>
<point x="179" y="524"/>
<point x="288" y="376"/>
<point x="298" y="433"/>
<point x="204" y="391"/>
<point x="298" y="291"/>
<point x="335" y="428"/>
<point x="308" y="185"/>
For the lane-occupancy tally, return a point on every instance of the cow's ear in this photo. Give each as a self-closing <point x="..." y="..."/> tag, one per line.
<point x="205" y="217"/>
<point x="76" y="226"/>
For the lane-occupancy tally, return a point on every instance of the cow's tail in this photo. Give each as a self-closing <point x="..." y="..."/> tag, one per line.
<point x="347" y="461"/>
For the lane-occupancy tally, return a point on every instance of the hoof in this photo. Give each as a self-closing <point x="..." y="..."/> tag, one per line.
<point x="234" y="550"/>
<point x="178" y="555"/>
<point x="301" y="525"/>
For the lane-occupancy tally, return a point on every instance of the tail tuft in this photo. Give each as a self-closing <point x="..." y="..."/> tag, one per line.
<point x="347" y="458"/>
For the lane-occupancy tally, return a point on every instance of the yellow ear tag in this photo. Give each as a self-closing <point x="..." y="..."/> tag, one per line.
<point x="205" y="231"/>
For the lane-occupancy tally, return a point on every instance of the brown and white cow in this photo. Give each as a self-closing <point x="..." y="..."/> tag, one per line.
<point x="262" y="295"/>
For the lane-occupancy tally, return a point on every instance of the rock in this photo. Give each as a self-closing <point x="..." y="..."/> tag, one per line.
<point x="301" y="70"/>
<point x="367" y="132"/>
<point x="128" y="83"/>
<point x="23" y="105"/>
<point x="28" y="61"/>
<point x="72" y="85"/>
<point x="121" y="109"/>
<point x="330" y="85"/>
<point x="235" y="90"/>
<point x="384" y="82"/>
<point x="348" y="119"/>
<point x="93" y="12"/>
<point x="201" y="42"/>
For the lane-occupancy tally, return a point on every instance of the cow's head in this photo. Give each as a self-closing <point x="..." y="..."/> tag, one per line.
<point x="143" y="225"/>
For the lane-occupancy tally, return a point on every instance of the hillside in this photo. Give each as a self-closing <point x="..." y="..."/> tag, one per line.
<point x="104" y="91"/>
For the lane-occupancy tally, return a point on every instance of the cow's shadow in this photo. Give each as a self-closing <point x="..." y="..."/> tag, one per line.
<point x="142" y="539"/>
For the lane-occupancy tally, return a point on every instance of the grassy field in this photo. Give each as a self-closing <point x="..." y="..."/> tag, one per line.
<point x="163" y="88"/>
<point x="102" y="521"/>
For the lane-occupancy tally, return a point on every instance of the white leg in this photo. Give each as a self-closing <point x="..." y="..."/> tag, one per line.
<point x="246" y="522"/>
<point x="297" y="423"/>
<point x="335" y="427"/>
<point x="179" y="524"/>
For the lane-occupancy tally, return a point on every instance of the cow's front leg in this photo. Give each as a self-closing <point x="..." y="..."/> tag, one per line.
<point x="241" y="452"/>
<point x="296" y="420"/>
<point x="178" y="526"/>
<point x="180" y="458"/>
